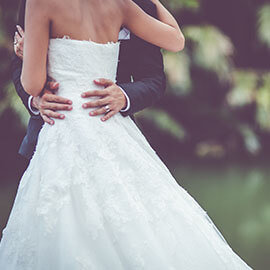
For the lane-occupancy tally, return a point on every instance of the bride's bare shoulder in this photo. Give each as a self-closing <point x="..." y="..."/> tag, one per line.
<point x="43" y="6"/>
<point x="38" y="4"/>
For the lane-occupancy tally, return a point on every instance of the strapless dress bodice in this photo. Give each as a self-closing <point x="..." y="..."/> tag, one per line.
<point x="76" y="63"/>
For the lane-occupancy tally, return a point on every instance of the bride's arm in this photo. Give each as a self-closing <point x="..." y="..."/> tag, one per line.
<point x="36" y="41"/>
<point x="164" y="33"/>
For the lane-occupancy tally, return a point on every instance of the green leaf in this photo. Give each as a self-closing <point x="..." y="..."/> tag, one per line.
<point x="244" y="88"/>
<point x="251" y="141"/>
<point x="164" y="122"/>
<point x="12" y="100"/>
<point x="263" y="103"/>
<point x="212" y="49"/>
<point x="263" y="16"/>
<point x="177" y="67"/>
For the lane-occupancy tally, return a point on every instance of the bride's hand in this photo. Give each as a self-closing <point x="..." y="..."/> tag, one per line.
<point x="19" y="42"/>
<point x="111" y="95"/>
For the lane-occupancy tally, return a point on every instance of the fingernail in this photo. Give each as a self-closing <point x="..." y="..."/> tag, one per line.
<point x="51" y="122"/>
<point x="69" y="102"/>
<point x="83" y="95"/>
<point x="69" y="107"/>
<point x="102" y="119"/>
<point x="62" y="116"/>
<point x="84" y="105"/>
<point x="91" y="113"/>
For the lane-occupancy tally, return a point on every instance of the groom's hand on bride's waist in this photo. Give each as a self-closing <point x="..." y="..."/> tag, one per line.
<point x="49" y="103"/>
<point x="112" y="99"/>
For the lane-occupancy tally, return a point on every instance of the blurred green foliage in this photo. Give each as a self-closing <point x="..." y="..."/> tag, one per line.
<point x="219" y="86"/>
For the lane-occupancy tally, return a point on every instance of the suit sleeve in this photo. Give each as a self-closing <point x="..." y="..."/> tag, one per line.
<point x="16" y="70"/>
<point x="144" y="92"/>
<point x="149" y="80"/>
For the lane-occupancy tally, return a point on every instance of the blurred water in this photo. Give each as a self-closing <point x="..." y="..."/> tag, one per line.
<point x="237" y="200"/>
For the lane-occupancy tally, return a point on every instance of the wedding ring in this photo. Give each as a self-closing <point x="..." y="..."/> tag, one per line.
<point x="107" y="107"/>
<point x="15" y="42"/>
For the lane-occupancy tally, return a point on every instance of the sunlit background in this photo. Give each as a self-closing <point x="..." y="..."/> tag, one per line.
<point x="212" y="128"/>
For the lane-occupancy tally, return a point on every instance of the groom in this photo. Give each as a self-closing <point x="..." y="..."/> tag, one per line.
<point x="140" y="82"/>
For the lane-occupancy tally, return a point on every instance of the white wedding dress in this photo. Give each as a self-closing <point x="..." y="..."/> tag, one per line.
<point x="96" y="196"/>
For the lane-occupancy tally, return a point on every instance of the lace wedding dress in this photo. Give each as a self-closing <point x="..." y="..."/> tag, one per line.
<point x="97" y="197"/>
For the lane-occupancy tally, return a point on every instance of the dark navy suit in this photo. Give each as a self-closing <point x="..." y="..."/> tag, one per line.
<point x="140" y="74"/>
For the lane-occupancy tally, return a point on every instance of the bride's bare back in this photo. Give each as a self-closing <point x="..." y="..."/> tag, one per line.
<point x="97" y="20"/>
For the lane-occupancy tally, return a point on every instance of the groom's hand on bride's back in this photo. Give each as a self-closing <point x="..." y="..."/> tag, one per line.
<point x="112" y="95"/>
<point x="49" y="103"/>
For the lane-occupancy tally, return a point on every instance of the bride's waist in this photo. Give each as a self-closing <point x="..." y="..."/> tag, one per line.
<point x="77" y="104"/>
<point x="77" y="82"/>
<point x="79" y="120"/>
<point x="74" y="91"/>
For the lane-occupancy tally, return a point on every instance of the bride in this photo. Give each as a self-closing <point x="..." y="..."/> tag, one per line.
<point x="96" y="196"/>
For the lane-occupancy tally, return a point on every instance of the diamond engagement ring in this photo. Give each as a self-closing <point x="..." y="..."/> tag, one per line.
<point x="107" y="107"/>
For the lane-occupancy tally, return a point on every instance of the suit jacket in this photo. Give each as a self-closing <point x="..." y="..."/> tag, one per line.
<point x="140" y="74"/>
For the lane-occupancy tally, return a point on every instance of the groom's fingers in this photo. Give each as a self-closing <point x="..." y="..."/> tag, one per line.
<point x="17" y="37"/>
<point x="93" y="93"/>
<point x="47" y="119"/>
<point x="52" y="86"/>
<point x="103" y="82"/>
<point x="96" y="103"/>
<point x="56" y="106"/>
<point x="57" y="99"/>
<point x="53" y="114"/>
<point x="99" y="111"/>
<point x="108" y="115"/>
<point x="20" y="30"/>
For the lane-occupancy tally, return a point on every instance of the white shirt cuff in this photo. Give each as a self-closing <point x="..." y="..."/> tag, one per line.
<point x="128" y="101"/>
<point x="33" y="110"/>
